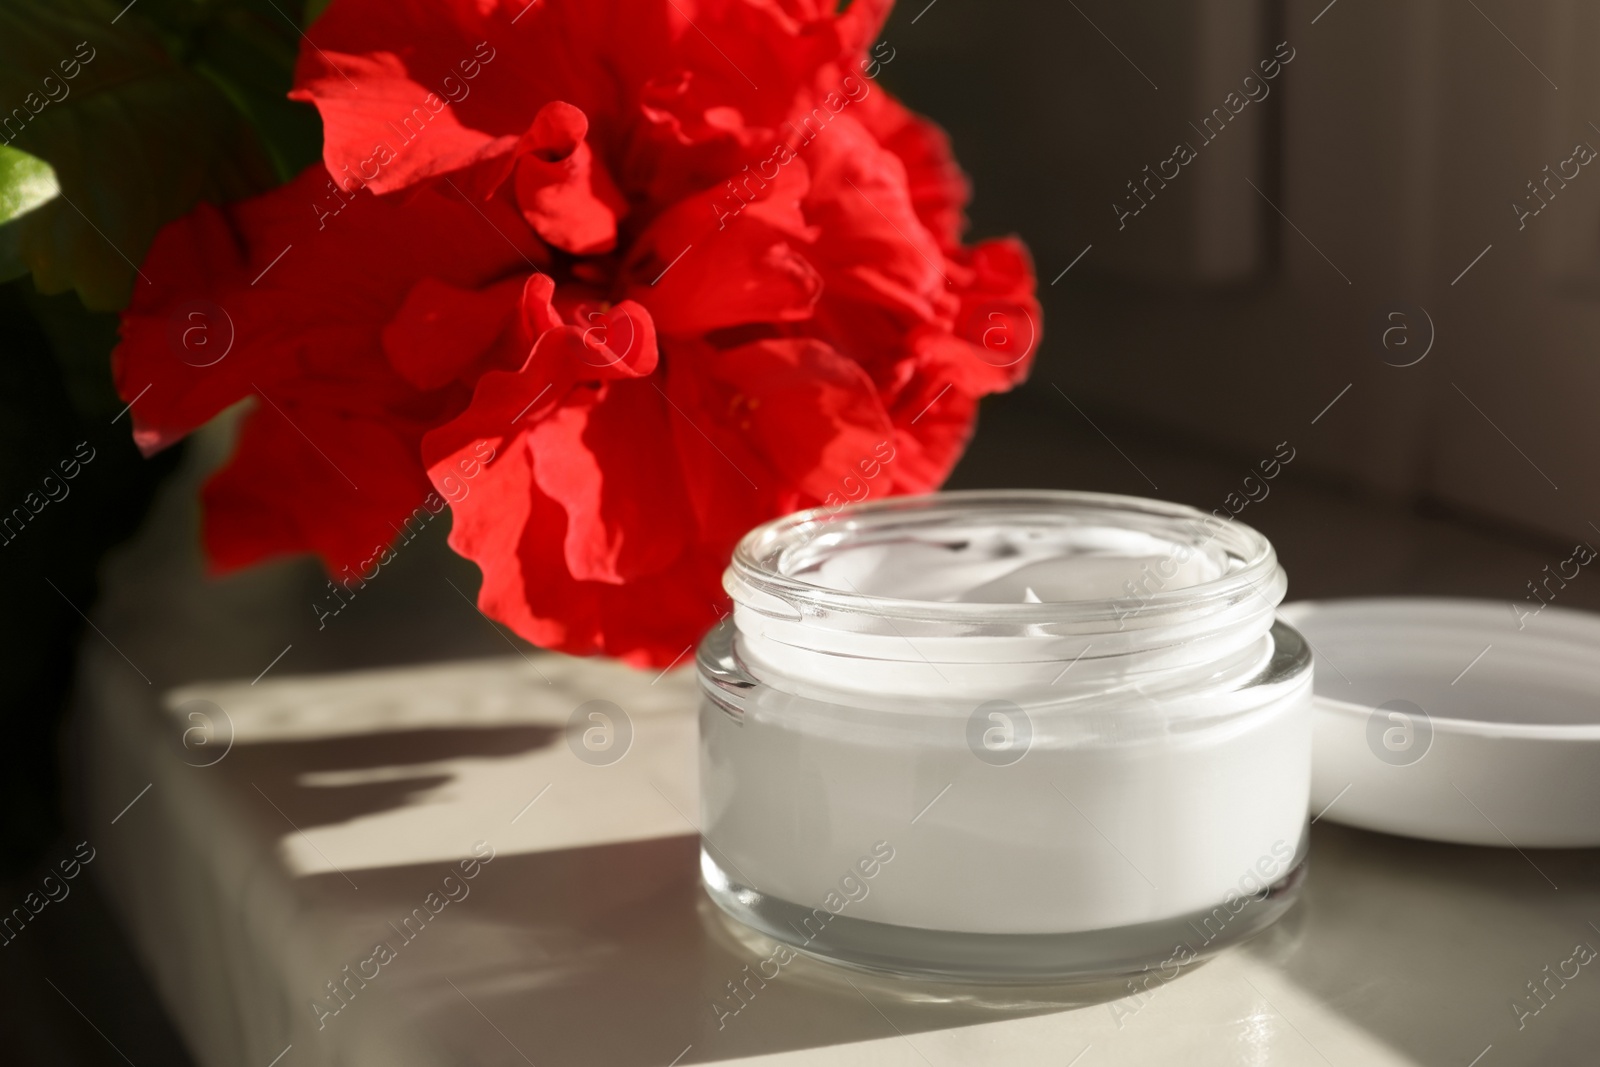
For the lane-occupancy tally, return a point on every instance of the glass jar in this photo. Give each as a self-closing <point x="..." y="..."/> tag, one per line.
<point x="1005" y="735"/>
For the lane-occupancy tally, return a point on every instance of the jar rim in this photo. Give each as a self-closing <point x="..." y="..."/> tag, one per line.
<point x="756" y="577"/>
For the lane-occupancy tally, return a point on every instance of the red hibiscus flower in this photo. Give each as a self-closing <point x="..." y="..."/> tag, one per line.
<point x="620" y="279"/>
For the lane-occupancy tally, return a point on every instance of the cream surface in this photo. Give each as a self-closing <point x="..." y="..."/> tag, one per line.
<point x="998" y="565"/>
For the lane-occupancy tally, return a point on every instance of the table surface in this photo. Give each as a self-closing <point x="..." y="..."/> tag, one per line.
<point x="331" y="803"/>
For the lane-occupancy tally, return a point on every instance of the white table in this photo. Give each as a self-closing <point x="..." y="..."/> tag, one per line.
<point x="348" y="796"/>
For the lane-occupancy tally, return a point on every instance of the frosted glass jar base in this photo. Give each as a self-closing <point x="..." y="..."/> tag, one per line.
<point x="944" y="955"/>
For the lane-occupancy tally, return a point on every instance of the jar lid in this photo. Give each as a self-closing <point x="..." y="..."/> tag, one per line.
<point x="1468" y="721"/>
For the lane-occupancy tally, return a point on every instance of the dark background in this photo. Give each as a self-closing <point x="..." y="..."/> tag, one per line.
<point x="1244" y="307"/>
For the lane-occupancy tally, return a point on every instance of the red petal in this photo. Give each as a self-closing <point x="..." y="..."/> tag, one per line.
<point x="441" y="330"/>
<point x="391" y="81"/>
<point x="687" y="140"/>
<point x="872" y="247"/>
<point x="176" y="337"/>
<point x="714" y="260"/>
<point x="303" y="293"/>
<point x="619" y="342"/>
<point x="999" y="326"/>
<point x="304" y="479"/>
<point x="538" y="307"/>
<point x="939" y="191"/>
<point x="563" y="190"/>
<point x="301" y="279"/>
<point x="377" y="69"/>
<point x="812" y="414"/>
<point x="521" y="536"/>
<point x="621" y="493"/>
<point x="768" y="427"/>
<point x="933" y="423"/>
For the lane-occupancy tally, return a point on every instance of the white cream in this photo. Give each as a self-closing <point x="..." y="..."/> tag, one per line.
<point x="1163" y="773"/>
<point x="999" y="566"/>
<point x="1082" y="833"/>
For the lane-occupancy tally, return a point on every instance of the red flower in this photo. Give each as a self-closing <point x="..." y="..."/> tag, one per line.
<point x="618" y="302"/>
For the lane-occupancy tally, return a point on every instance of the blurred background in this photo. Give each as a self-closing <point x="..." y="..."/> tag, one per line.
<point x="1364" y="234"/>
<point x="1398" y="175"/>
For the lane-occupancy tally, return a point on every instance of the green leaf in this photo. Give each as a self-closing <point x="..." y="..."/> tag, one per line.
<point x="134" y="138"/>
<point x="25" y="183"/>
<point x="250" y="56"/>
<point x="247" y="48"/>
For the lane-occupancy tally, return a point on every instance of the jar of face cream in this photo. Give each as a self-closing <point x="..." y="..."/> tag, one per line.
<point x="1005" y="735"/>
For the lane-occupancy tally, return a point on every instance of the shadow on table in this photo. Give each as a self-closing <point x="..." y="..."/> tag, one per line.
<point x="614" y="955"/>
<point x="1430" y="947"/>
<point x="326" y="781"/>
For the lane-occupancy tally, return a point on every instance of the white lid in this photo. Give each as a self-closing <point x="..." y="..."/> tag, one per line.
<point x="1457" y="720"/>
